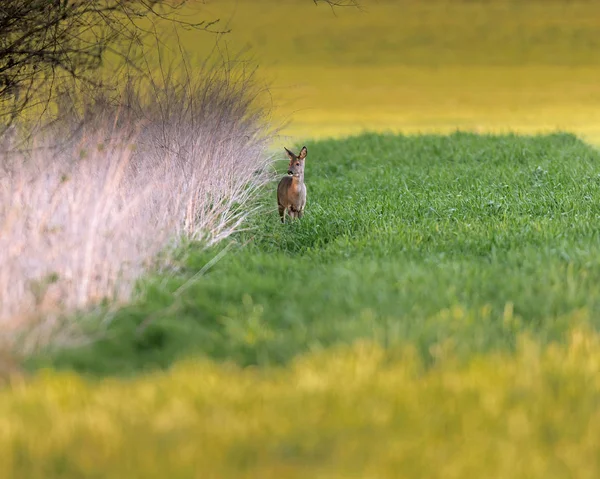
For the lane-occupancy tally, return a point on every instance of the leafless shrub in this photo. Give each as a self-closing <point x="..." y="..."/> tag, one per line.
<point x="44" y="43"/>
<point x="131" y="176"/>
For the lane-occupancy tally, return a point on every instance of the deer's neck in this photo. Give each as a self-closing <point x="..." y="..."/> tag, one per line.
<point x="298" y="180"/>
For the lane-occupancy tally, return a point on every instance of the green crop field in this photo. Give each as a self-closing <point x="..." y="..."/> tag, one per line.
<point x="438" y="288"/>
<point x="419" y="239"/>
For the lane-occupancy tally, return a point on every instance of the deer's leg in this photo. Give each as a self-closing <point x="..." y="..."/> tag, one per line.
<point x="300" y="213"/>
<point x="281" y="213"/>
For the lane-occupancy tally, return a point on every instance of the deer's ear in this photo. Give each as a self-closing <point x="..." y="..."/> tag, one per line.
<point x="303" y="152"/>
<point x="290" y="154"/>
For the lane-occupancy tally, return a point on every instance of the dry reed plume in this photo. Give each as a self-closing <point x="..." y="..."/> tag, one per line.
<point x="80" y="219"/>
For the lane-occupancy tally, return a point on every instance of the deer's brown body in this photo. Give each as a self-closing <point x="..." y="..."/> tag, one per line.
<point x="291" y="192"/>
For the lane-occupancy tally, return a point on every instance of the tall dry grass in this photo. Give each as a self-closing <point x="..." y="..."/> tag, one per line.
<point x="116" y="180"/>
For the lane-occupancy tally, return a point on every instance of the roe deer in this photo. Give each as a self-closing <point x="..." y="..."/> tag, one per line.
<point x="291" y="192"/>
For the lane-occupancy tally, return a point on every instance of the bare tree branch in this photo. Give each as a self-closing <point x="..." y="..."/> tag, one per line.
<point x="44" y="43"/>
<point x="339" y="3"/>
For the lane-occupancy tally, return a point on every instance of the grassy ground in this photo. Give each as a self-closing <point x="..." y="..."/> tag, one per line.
<point x="412" y="66"/>
<point x="466" y="239"/>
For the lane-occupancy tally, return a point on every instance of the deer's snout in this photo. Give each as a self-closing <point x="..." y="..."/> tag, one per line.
<point x="290" y="172"/>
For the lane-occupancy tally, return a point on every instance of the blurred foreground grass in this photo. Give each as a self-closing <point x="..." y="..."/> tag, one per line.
<point x="404" y="65"/>
<point x="352" y="411"/>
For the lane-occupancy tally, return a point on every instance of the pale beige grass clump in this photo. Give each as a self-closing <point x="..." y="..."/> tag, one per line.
<point x="81" y="219"/>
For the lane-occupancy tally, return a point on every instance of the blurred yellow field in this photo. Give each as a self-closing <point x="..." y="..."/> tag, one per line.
<point x="420" y="66"/>
<point x="422" y="99"/>
<point x="356" y="411"/>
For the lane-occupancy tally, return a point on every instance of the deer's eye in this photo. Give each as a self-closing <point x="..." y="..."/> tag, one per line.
<point x="297" y="164"/>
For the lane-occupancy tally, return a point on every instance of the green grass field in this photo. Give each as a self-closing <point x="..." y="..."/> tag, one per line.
<point x="464" y="239"/>
<point x="432" y="315"/>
